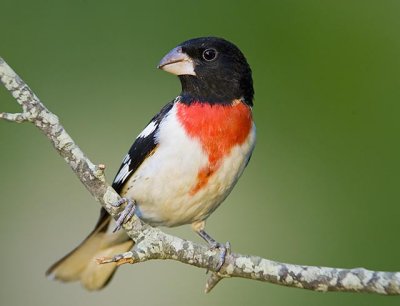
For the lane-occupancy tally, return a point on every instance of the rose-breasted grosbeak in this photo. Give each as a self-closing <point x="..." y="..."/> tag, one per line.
<point x="186" y="160"/>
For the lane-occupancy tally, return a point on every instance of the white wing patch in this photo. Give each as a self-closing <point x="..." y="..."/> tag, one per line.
<point x="148" y="130"/>
<point x="127" y="159"/>
<point x="124" y="172"/>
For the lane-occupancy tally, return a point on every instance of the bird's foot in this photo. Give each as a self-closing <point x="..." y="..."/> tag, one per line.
<point x="224" y="250"/>
<point x="126" y="214"/>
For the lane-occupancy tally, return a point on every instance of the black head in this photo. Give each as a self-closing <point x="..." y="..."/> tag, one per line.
<point x="211" y="70"/>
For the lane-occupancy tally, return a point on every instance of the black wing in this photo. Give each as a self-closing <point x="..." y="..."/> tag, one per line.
<point x="143" y="146"/>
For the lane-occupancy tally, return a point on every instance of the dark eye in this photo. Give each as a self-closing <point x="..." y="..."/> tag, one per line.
<point x="210" y="54"/>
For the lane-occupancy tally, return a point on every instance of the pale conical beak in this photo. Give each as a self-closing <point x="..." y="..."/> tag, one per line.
<point x="177" y="62"/>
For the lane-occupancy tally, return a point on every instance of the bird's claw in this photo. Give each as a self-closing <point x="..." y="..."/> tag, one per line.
<point x="126" y="214"/>
<point x="224" y="250"/>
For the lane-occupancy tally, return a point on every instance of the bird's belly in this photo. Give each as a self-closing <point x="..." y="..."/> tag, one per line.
<point x="163" y="189"/>
<point x="168" y="187"/>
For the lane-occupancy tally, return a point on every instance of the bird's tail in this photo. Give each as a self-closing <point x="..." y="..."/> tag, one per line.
<point x="80" y="264"/>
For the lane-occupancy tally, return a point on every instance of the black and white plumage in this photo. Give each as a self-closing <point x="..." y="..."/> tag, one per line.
<point x="144" y="144"/>
<point x="186" y="161"/>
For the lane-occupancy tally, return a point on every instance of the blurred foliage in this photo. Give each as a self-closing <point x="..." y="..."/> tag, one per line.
<point x="322" y="187"/>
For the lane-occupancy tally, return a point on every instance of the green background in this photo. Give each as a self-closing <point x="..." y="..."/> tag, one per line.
<point x="322" y="187"/>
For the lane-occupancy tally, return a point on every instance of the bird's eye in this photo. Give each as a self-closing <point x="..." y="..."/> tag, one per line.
<point x="210" y="54"/>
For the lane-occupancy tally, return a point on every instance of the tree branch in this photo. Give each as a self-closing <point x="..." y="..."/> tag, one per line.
<point x="152" y="243"/>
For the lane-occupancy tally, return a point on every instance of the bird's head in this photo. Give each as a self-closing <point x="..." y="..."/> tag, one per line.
<point x="211" y="70"/>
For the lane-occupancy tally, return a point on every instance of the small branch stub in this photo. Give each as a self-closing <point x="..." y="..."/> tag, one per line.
<point x="212" y="281"/>
<point x="17" y="117"/>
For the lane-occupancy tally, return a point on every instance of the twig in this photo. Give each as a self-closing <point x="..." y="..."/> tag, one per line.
<point x="151" y="243"/>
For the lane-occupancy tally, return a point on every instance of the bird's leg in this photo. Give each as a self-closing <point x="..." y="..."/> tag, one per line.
<point x="216" y="245"/>
<point x="126" y="214"/>
<point x="199" y="228"/>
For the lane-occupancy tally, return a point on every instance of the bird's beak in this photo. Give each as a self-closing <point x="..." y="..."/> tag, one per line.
<point x="177" y="62"/>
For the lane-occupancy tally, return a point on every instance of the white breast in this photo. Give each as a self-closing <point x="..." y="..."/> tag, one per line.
<point x="161" y="186"/>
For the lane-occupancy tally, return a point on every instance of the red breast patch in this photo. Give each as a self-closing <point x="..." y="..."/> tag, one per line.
<point x="218" y="128"/>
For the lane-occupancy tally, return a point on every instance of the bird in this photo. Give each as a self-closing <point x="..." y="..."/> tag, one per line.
<point x="184" y="163"/>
